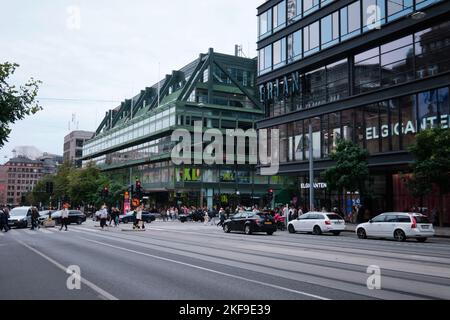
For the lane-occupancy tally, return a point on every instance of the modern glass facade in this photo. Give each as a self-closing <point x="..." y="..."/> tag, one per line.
<point x="134" y="140"/>
<point x="375" y="72"/>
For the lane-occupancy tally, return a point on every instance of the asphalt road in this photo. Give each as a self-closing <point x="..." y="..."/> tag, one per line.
<point x="172" y="261"/>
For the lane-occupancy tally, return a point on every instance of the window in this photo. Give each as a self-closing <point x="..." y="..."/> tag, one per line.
<point x="299" y="140"/>
<point x="294" y="46"/>
<point x="337" y="80"/>
<point x="265" y="24"/>
<point x="374" y="14"/>
<point x="444" y="107"/>
<point x="265" y="59"/>
<point x="315" y="88"/>
<point x="310" y="6"/>
<point x="428" y="109"/>
<point x="279" y="16"/>
<point x="311" y="38"/>
<point x="330" y="30"/>
<point x="398" y="8"/>
<point x="379" y="219"/>
<point x="294" y="10"/>
<point x="397" y="61"/>
<point x="350" y="21"/>
<point x="367" y="71"/>
<point x="279" y="53"/>
<point x="423" y="3"/>
<point x="371" y="114"/>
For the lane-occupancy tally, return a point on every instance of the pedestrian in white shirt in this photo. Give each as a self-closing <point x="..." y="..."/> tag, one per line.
<point x="64" y="216"/>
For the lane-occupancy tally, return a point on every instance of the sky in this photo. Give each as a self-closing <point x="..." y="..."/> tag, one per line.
<point x="93" y="54"/>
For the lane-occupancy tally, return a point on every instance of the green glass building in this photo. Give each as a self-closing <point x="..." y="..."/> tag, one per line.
<point x="134" y="140"/>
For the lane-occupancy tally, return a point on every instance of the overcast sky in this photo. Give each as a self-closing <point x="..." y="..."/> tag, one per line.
<point x="92" y="54"/>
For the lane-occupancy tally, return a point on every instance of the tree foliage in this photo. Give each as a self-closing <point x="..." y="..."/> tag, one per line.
<point x="431" y="151"/>
<point x="350" y="171"/>
<point x="15" y="103"/>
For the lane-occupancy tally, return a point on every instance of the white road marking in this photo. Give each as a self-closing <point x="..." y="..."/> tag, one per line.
<point x="46" y="231"/>
<point x="210" y="270"/>
<point x="97" y="289"/>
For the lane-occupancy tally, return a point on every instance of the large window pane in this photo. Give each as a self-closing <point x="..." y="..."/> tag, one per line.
<point x="330" y="30"/>
<point x="335" y="130"/>
<point x="398" y="8"/>
<point x="294" y="10"/>
<point x="315" y="88"/>
<point x="372" y="128"/>
<point x="397" y="61"/>
<point x="310" y="6"/>
<point x="350" y="21"/>
<point x="337" y="80"/>
<point x="444" y="107"/>
<point x="265" y="23"/>
<point x="367" y="71"/>
<point x="299" y="141"/>
<point x="294" y="46"/>
<point x="428" y="109"/>
<point x="374" y="14"/>
<point x="409" y="120"/>
<point x="311" y="38"/>
<point x="279" y="16"/>
<point x="279" y="53"/>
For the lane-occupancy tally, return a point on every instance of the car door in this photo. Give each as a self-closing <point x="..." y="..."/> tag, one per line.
<point x="375" y="225"/>
<point x="300" y="223"/>
<point x="390" y="223"/>
<point x="234" y="221"/>
<point x="307" y="223"/>
<point x="315" y="220"/>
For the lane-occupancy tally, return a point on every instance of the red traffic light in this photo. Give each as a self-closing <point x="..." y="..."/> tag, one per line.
<point x="270" y="190"/>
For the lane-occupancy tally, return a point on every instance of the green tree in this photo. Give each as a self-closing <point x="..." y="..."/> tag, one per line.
<point x="85" y="185"/>
<point x="15" y="103"/>
<point x="431" y="151"/>
<point x="351" y="171"/>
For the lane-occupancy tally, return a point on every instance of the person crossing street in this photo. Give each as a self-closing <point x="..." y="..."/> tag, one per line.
<point x="64" y="216"/>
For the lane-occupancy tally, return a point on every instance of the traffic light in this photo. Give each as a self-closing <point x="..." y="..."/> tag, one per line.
<point x="105" y="192"/>
<point x="138" y="188"/>
<point x="270" y="195"/>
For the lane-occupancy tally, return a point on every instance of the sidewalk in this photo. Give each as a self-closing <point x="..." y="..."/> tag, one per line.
<point x="440" y="232"/>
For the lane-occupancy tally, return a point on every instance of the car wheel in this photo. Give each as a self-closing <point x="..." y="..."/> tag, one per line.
<point x="422" y="239"/>
<point x="248" y="229"/>
<point x="317" y="231"/>
<point x="226" y="228"/>
<point x="399" y="235"/>
<point x="336" y="233"/>
<point x="291" y="229"/>
<point x="79" y="221"/>
<point x="269" y="233"/>
<point x="361" y="233"/>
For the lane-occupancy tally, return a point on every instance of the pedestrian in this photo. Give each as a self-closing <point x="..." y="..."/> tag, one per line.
<point x="3" y="225"/>
<point x="206" y="217"/>
<point x="34" y="218"/>
<point x="112" y="216"/>
<point x="64" y="216"/>
<point x="138" y="222"/>
<point x="221" y="217"/>
<point x="103" y="216"/>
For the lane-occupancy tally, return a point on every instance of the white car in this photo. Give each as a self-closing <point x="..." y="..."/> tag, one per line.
<point x="318" y="223"/>
<point x="397" y="225"/>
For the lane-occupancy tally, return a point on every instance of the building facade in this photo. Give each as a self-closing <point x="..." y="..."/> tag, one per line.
<point x="372" y="71"/>
<point x="22" y="175"/>
<point x="134" y="140"/>
<point x="73" y="146"/>
<point x="3" y="185"/>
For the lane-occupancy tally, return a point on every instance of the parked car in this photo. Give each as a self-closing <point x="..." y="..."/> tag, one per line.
<point x="75" y="216"/>
<point x="20" y="217"/>
<point x="397" y="225"/>
<point x="130" y="217"/>
<point x="250" y="222"/>
<point x="318" y="223"/>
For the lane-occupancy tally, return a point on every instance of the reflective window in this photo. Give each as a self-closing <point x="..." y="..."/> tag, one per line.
<point x="427" y="103"/>
<point x="337" y="80"/>
<point x="423" y="3"/>
<point x="299" y="140"/>
<point x="311" y="38"/>
<point x="315" y="88"/>
<point x="373" y="13"/>
<point x="367" y="71"/>
<point x="350" y="21"/>
<point x="397" y="61"/>
<point x="329" y="30"/>
<point x="398" y="8"/>
<point x="279" y="53"/>
<point x="409" y="120"/>
<point x="265" y="24"/>
<point x="444" y="107"/>
<point x="294" y="46"/>
<point x="310" y="6"/>
<point x="294" y="10"/>
<point x="279" y="16"/>
<point x="371" y="114"/>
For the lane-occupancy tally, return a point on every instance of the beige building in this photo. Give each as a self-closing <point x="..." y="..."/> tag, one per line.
<point x="73" y="146"/>
<point x="22" y="174"/>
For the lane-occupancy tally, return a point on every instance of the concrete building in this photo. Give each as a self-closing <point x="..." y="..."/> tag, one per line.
<point x="22" y="175"/>
<point x="73" y="146"/>
<point x="50" y="163"/>
<point x="3" y="184"/>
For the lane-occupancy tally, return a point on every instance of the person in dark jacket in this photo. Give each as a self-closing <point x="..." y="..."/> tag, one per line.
<point x="4" y="216"/>
<point x="34" y="218"/>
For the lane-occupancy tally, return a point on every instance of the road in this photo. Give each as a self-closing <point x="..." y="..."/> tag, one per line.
<point x="173" y="261"/>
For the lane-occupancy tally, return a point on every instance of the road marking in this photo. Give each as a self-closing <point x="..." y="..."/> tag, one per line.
<point x="46" y="231"/>
<point x="210" y="270"/>
<point x="97" y="289"/>
<point x="1" y="233"/>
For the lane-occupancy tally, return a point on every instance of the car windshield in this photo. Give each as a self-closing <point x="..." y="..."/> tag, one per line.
<point x="334" y="217"/>
<point x="18" y="212"/>
<point x="422" y="219"/>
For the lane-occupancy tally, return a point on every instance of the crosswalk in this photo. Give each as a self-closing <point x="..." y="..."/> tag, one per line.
<point x="30" y="232"/>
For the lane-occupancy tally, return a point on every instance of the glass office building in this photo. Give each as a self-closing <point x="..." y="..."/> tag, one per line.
<point x="372" y="71"/>
<point x="134" y="140"/>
